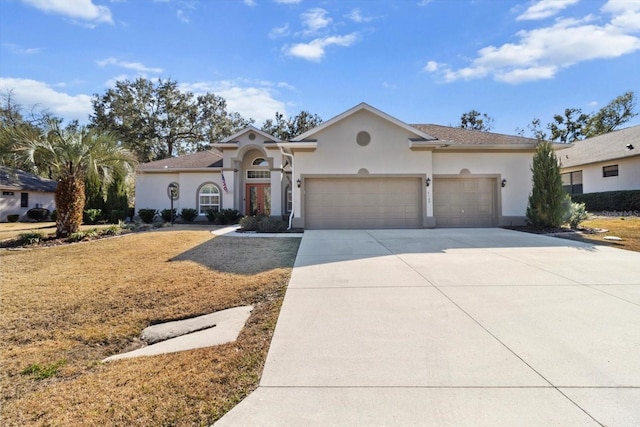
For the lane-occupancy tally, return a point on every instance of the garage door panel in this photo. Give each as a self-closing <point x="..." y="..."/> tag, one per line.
<point x="363" y="202"/>
<point x="465" y="202"/>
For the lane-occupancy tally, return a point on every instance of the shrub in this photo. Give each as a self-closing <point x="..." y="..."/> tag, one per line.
<point x="166" y="214"/>
<point x="38" y="214"/>
<point x="229" y="216"/>
<point x="545" y="207"/>
<point x="212" y="216"/>
<point x="271" y="224"/>
<point x="13" y="217"/>
<point x="54" y="215"/>
<point x="91" y="216"/>
<point x="147" y="215"/>
<point x="578" y="214"/>
<point x="116" y="215"/>
<point x="188" y="214"/>
<point x="30" y="238"/>
<point x="627" y="200"/>
<point x="249" y="223"/>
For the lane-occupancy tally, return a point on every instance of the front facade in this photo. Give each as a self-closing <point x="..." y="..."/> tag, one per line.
<point x="609" y="162"/>
<point x="21" y="191"/>
<point x="361" y="169"/>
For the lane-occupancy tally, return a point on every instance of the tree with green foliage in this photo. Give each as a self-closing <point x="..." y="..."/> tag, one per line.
<point x="287" y="129"/>
<point x="156" y="120"/>
<point x="611" y="116"/>
<point x="72" y="155"/>
<point x="474" y="120"/>
<point x="575" y="125"/>
<point x="547" y="201"/>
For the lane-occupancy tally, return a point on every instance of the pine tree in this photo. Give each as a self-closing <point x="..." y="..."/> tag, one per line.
<point x="548" y="201"/>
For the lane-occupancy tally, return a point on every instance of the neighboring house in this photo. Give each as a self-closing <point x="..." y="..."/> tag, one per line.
<point x="22" y="191"/>
<point x="607" y="162"/>
<point x="361" y="169"/>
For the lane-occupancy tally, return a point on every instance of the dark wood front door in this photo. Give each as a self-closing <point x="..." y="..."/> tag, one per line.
<point x="258" y="199"/>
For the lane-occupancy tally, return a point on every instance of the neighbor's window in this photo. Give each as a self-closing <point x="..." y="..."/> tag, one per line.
<point x="24" y="200"/>
<point x="572" y="182"/>
<point x="609" y="171"/>
<point x="7" y="193"/>
<point x="208" y="199"/>
<point x="261" y="174"/>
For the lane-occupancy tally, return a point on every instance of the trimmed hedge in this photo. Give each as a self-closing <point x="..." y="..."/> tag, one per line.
<point x="627" y="200"/>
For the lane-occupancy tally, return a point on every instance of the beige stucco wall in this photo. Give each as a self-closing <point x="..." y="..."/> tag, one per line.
<point x="593" y="182"/>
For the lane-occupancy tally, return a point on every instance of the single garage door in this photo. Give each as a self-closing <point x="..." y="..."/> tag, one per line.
<point x="464" y="202"/>
<point x="362" y="203"/>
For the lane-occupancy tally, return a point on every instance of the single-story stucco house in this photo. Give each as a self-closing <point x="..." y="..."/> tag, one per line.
<point x="22" y="191"/>
<point x="608" y="162"/>
<point x="360" y="169"/>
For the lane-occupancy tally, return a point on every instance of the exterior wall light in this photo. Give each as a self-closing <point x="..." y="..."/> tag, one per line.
<point x="504" y="183"/>
<point x="299" y="183"/>
<point x="428" y="182"/>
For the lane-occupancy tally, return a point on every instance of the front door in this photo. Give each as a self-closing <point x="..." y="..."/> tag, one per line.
<point x="258" y="197"/>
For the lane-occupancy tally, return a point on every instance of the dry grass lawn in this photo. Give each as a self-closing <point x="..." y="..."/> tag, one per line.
<point x="627" y="228"/>
<point x="65" y="308"/>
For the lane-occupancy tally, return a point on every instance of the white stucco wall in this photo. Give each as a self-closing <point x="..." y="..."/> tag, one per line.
<point x="10" y="205"/>
<point x="593" y="182"/>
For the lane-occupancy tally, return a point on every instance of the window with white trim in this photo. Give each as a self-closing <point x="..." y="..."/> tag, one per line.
<point x="261" y="173"/>
<point x="208" y="199"/>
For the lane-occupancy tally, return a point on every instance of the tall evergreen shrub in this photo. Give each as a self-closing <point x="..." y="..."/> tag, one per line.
<point x="547" y="201"/>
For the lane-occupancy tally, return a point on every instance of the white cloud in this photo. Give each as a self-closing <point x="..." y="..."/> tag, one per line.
<point x="356" y="16"/>
<point x="30" y="93"/>
<point x="315" y="49"/>
<point x="136" y="66"/>
<point x="541" y="53"/>
<point x="422" y="3"/>
<point x="254" y="100"/>
<point x="18" y="50"/>
<point x="315" y="19"/>
<point x="250" y="3"/>
<point x="626" y="14"/>
<point x="77" y="9"/>
<point x="544" y="9"/>
<point x="278" y="32"/>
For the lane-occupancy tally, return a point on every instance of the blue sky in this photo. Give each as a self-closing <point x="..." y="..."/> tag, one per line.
<point x="422" y="61"/>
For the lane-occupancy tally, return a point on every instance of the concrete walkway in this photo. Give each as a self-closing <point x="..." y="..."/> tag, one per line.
<point x="452" y="327"/>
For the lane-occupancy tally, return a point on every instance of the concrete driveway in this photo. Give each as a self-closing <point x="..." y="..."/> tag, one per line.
<point x="452" y="327"/>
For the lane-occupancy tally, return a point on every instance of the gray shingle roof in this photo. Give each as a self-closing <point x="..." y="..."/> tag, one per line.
<point x="16" y="179"/>
<point x="201" y="159"/>
<point x="459" y="136"/>
<point x="610" y="146"/>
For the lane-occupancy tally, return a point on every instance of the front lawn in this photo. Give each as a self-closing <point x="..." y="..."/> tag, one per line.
<point x="627" y="228"/>
<point x="65" y="308"/>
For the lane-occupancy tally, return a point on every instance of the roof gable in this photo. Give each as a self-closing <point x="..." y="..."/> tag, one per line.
<point x="362" y="107"/>
<point x="250" y="128"/>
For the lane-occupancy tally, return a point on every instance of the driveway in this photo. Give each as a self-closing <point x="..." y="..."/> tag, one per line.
<point x="452" y="327"/>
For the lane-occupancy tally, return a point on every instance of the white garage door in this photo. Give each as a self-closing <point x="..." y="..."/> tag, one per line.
<point x="362" y="203"/>
<point x="464" y="202"/>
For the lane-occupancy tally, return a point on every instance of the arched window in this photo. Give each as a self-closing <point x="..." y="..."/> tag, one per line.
<point x="260" y="162"/>
<point x="208" y="199"/>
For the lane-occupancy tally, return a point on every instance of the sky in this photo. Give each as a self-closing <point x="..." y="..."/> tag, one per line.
<point x="421" y="61"/>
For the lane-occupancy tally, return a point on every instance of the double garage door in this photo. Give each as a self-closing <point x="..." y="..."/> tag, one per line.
<point x="363" y="203"/>
<point x="336" y="203"/>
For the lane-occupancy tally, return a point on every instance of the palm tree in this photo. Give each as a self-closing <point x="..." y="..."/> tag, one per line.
<point x="70" y="155"/>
